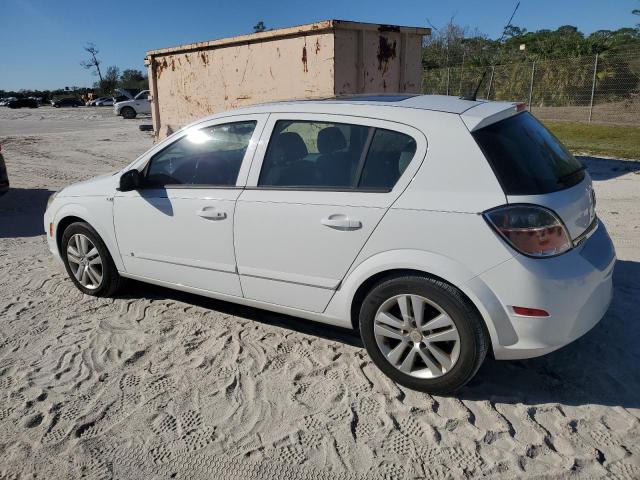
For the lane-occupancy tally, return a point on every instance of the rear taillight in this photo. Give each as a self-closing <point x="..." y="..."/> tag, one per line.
<point x="530" y="229"/>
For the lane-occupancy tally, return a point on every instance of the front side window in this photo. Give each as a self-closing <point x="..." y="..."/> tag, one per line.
<point x="208" y="156"/>
<point x="323" y="155"/>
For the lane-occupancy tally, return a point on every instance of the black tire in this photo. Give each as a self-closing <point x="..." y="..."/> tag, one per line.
<point x="111" y="280"/>
<point x="128" y="113"/>
<point x="474" y="339"/>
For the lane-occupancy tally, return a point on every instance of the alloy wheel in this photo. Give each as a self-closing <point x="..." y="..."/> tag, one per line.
<point x="85" y="261"/>
<point x="416" y="336"/>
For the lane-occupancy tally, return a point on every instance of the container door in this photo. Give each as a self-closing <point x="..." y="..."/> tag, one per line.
<point x="319" y="186"/>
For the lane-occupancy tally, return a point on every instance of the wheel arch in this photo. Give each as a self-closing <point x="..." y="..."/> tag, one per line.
<point x="359" y="281"/>
<point x="367" y="285"/>
<point x="62" y="226"/>
<point x="74" y="212"/>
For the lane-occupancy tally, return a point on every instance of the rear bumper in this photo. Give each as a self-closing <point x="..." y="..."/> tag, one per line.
<point x="575" y="288"/>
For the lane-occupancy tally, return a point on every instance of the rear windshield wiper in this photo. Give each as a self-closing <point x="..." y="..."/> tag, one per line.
<point x="563" y="178"/>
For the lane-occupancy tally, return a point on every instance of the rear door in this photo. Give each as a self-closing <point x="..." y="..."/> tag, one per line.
<point x="534" y="167"/>
<point x="318" y="187"/>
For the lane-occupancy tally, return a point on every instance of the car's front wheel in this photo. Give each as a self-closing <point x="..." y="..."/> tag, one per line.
<point x="423" y="333"/>
<point x="128" y="112"/>
<point x="88" y="262"/>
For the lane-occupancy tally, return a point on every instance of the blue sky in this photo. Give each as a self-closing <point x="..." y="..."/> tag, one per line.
<point x="41" y="40"/>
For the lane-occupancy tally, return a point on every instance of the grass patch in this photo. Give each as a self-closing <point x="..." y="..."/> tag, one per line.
<point x="609" y="140"/>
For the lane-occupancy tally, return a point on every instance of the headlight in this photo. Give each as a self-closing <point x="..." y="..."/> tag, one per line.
<point x="51" y="197"/>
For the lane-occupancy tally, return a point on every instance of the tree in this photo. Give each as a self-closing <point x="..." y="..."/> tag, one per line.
<point x="93" y="61"/>
<point x="514" y="31"/>
<point x="259" y="27"/>
<point x="110" y="80"/>
<point x="132" y="78"/>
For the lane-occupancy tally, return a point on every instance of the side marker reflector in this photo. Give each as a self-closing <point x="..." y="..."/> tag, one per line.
<point x="51" y="229"/>
<point x="530" y="312"/>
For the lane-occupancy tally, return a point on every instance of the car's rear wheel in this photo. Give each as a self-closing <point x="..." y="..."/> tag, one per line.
<point x="88" y="262"/>
<point x="128" y="112"/>
<point x="423" y="333"/>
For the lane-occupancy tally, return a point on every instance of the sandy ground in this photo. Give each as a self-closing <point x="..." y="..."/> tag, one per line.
<point x="160" y="384"/>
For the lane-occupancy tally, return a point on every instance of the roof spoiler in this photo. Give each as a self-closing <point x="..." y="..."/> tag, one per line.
<point x="487" y="113"/>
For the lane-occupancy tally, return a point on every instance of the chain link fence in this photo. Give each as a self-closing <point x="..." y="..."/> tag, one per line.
<point x="600" y="88"/>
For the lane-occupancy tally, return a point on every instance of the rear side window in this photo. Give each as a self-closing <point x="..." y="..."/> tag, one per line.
<point x="527" y="158"/>
<point x="388" y="157"/>
<point x="322" y="155"/>
<point x="209" y="156"/>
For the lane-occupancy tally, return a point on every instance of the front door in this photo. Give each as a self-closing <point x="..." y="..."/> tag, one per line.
<point x="314" y="196"/>
<point x="178" y="227"/>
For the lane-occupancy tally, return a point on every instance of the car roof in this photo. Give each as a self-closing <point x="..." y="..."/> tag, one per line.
<point x="475" y="113"/>
<point x="439" y="103"/>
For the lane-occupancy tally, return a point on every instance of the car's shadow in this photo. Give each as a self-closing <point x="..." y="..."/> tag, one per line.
<point x="599" y="368"/>
<point x="21" y="212"/>
<point x="329" y="332"/>
<point x="608" y="168"/>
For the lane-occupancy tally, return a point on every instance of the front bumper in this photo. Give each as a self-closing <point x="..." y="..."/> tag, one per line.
<point x="575" y="288"/>
<point x="51" y="239"/>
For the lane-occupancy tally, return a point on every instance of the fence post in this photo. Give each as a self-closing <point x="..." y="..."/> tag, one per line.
<point x="461" y="73"/>
<point x="493" y="68"/>
<point x="448" y="76"/>
<point x="593" y="87"/>
<point x="533" y="72"/>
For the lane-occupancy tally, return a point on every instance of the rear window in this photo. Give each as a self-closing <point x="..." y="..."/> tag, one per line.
<point x="527" y="158"/>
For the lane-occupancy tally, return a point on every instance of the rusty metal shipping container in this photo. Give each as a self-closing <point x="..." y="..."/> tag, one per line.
<point x="323" y="59"/>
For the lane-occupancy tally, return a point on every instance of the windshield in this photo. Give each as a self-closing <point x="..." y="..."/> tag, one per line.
<point x="527" y="158"/>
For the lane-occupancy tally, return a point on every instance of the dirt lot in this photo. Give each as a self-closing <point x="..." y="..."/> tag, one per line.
<point x="159" y="384"/>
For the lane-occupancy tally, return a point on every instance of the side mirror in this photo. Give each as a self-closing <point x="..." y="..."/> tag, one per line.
<point x="130" y="180"/>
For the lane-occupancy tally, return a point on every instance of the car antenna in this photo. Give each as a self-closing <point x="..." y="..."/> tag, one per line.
<point x="472" y="95"/>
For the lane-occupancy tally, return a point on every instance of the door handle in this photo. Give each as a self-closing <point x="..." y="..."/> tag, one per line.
<point x="341" y="222"/>
<point x="211" y="213"/>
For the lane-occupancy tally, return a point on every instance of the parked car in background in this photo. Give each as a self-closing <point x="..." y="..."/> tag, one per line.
<point x="5" y="101"/>
<point x="131" y="108"/>
<point x="4" y="176"/>
<point x="92" y="103"/>
<point x="105" y="102"/>
<point x="23" y="103"/>
<point x="67" y="102"/>
<point x="336" y="211"/>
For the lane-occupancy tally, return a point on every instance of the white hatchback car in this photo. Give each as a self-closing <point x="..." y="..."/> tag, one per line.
<point x="438" y="227"/>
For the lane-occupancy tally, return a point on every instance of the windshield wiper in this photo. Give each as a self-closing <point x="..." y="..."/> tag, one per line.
<point x="563" y="178"/>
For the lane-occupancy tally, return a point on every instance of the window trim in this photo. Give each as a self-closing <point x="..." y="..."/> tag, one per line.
<point x="355" y="186"/>
<point x="141" y="161"/>
<point x="144" y="171"/>
<point x="315" y="188"/>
